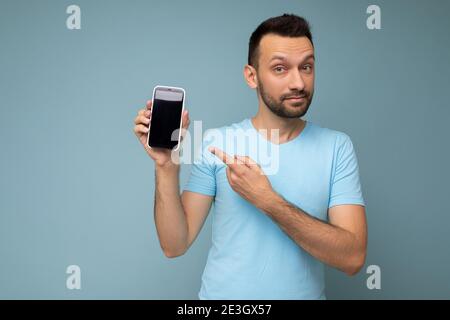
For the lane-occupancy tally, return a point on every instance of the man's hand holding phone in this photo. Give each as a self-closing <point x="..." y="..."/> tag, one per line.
<point x="178" y="217"/>
<point x="161" y="156"/>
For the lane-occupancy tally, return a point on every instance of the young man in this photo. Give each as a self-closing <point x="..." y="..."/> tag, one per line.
<point x="271" y="233"/>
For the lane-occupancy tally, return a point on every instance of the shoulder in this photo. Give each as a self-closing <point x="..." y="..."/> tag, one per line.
<point x="219" y="135"/>
<point x="329" y="136"/>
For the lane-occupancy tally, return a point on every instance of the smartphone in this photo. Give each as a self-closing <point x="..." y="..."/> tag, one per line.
<point x="167" y="109"/>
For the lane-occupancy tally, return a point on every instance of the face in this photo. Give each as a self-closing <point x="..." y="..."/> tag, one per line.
<point x="285" y="75"/>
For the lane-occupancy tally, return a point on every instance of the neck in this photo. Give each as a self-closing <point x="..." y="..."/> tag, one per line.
<point x="288" y="128"/>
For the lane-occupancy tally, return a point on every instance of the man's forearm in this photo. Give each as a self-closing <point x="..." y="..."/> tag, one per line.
<point x="330" y="244"/>
<point x="170" y="219"/>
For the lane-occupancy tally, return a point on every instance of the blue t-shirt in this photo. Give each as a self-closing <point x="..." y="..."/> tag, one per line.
<point x="251" y="257"/>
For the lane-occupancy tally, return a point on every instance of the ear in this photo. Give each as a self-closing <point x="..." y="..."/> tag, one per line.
<point x="250" y="76"/>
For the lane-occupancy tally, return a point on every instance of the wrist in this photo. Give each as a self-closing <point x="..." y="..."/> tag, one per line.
<point x="167" y="167"/>
<point x="269" y="202"/>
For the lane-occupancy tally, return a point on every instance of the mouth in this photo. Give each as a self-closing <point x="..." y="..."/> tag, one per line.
<point x="296" y="98"/>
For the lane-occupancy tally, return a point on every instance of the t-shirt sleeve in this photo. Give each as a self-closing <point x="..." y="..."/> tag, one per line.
<point x="203" y="178"/>
<point x="345" y="183"/>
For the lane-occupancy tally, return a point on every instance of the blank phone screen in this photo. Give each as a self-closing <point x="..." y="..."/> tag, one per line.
<point x="166" y="118"/>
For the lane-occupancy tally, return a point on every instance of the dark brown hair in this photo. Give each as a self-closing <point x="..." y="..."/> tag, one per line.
<point x="287" y="25"/>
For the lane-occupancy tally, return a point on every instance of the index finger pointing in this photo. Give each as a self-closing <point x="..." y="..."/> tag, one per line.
<point x="227" y="159"/>
<point x="247" y="161"/>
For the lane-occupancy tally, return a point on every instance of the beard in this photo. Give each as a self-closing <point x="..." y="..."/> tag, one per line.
<point x="286" y="108"/>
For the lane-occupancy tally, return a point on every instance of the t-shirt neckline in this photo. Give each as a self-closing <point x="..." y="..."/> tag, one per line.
<point x="297" y="138"/>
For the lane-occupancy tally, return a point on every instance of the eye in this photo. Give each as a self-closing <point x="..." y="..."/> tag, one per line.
<point x="307" y="67"/>
<point x="278" y="69"/>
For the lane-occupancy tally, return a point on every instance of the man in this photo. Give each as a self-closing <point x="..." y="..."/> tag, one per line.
<point x="271" y="234"/>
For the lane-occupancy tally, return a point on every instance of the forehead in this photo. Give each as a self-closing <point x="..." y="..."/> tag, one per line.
<point x="295" y="49"/>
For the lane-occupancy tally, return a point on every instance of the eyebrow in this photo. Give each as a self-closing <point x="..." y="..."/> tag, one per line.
<point x="279" y="57"/>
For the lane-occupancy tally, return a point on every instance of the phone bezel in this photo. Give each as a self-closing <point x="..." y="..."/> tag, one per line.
<point x="170" y="88"/>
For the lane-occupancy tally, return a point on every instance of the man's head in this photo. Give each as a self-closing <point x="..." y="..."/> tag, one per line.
<point x="281" y="65"/>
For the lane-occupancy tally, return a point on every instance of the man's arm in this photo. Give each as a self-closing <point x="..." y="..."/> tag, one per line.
<point x="178" y="219"/>
<point x="340" y="244"/>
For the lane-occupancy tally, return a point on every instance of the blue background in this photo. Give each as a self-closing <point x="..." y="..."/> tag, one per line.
<point x="77" y="187"/>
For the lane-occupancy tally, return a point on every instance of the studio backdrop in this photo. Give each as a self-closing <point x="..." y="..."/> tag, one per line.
<point x="77" y="188"/>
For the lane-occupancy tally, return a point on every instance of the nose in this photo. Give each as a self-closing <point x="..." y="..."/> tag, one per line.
<point x="296" y="81"/>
